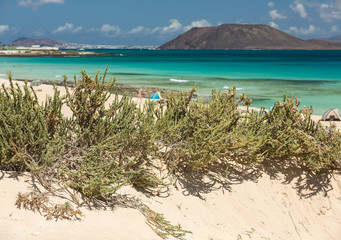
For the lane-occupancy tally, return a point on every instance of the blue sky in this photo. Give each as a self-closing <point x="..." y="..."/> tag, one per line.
<point x="153" y="22"/>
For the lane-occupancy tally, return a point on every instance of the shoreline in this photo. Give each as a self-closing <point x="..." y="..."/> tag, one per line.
<point x="121" y="88"/>
<point x="46" y="87"/>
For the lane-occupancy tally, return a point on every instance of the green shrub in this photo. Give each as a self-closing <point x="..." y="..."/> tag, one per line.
<point x="285" y="133"/>
<point x="27" y="129"/>
<point x="198" y="134"/>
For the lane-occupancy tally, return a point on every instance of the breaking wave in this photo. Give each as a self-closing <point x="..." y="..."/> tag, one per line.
<point x="238" y="89"/>
<point x="177" y="80"/>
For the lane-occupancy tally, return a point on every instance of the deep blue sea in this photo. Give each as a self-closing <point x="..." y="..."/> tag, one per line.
<point x="313" y="76"/>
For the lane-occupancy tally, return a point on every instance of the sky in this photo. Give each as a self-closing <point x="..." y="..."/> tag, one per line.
<point x="154" y="22"/>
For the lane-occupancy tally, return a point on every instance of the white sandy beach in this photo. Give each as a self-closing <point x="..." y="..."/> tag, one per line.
<point x="254" y="205"/>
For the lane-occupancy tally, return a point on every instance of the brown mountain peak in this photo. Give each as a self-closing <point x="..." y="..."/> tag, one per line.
<point x="242" y="36"/>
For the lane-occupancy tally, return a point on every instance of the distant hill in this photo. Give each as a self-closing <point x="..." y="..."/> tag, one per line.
<point x="27" y="42"/>
<point x="243" y="36"/>
<point x="333" y="39"/>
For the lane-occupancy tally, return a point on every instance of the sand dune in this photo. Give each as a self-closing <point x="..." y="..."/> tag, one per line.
<point x="251" y="208"/>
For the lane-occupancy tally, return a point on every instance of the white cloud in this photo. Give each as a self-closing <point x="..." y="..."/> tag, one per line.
<point x="66" y="27"/>
<point x="273" y="24"/>
<point x="299" y="9"/>
<point x="330" y="15"/>
<point x="240" y="21"/>
<point x="334" y="29"/>
<point x="330" y="12"/>
<point x="36" y="3"/>
<point x="338" y="4"/>
<point x="77" y="29"/>
<point x="199" y="23"/>
<point x="176" y="26"/>
<point x="303" y="31"/>
<point x="271" y="4"/>
<point x="308" y="31"/>
<point x="144" y="30"/>
<point x="274" y="14"/>
<point x="293" y="30"/>
<point x="3" y="28"/>
<point x="173" y="27"/>
<point x="324" y="5"/>
<point x="110" y="29"/>
<point x="156" y="29"/>
<point x="148" y="31"/>
<point x="137" y="30"/>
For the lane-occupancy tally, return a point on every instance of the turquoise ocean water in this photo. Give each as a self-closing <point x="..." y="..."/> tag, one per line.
<point x="313" y="76"/>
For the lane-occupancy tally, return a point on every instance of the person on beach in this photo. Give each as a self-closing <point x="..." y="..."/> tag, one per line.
<point x="139" y="96"/>
<point x="311" y="110"/>
<point x="304" y="110"/>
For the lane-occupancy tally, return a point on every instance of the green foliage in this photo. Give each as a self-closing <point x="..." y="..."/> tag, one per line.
<point x="285" y="133"/>
<point x="199" y="134"/>
<point x="104" y="168"/>
<point x="54" y="120"/>
<point x="26" y="128"/>
<point x="202" y="131"/>
<point x="114" y="143"/>
<point x="88" y="100"/>
<point x="186" y="134"/>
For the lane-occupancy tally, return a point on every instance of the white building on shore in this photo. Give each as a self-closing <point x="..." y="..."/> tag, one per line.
<point x="37" y="47"/>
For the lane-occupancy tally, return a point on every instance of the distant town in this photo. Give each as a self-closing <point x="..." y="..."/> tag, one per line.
<point x="46" y="44"/>
<point x="31" y="47"/>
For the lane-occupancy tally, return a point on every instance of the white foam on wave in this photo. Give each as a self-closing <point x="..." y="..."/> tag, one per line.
<point x="238" y="89"/>
<point x="58" y="76"/>
<point x="177" y="80"/>
<point x="2" y="74"/>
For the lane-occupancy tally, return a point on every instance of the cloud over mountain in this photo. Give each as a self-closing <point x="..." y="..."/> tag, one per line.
<point x="3" y="28"/>
<point x="274" y="14"/>
<point x="68" y="27"/>
<point x="299" y="8"/>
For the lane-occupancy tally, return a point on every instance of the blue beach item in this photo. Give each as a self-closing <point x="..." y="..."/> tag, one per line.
<point x="156" y="95"/>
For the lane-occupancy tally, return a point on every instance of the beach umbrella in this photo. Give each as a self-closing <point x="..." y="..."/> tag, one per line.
<point x="156" y="95"/>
